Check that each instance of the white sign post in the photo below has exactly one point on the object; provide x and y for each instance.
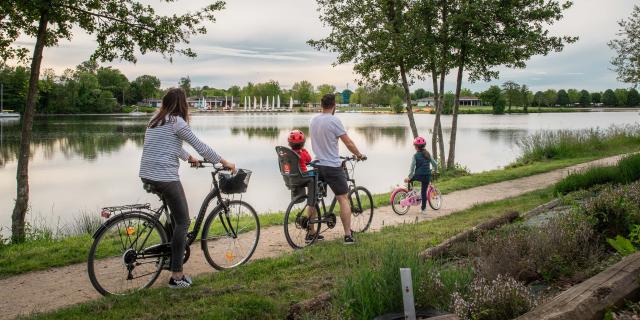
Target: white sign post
(407, 294)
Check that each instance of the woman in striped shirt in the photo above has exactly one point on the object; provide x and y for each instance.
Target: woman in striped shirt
(159, 165)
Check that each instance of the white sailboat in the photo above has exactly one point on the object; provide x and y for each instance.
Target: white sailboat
(5, 114)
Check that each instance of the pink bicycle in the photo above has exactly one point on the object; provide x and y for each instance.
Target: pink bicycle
(403, 198)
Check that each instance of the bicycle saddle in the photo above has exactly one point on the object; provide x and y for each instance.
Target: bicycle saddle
(149, 188)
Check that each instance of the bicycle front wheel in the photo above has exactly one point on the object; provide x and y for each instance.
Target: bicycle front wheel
(301, 225)
(435, 198)
(118, 264)
(361, 209)
(230, 237)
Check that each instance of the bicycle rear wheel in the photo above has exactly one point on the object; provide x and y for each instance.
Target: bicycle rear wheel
(117, 264)
(435, 198)
(361, 209)
(229, 238)
(298, 224)
(396, 197)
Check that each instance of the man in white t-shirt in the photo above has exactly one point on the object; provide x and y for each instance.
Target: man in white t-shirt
(326, 129)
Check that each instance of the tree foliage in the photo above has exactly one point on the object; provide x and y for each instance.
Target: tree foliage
(609, 98)
(303, 92)
(627, 61)
(562, 98)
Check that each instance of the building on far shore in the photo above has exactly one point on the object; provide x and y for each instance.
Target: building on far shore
(466, 101)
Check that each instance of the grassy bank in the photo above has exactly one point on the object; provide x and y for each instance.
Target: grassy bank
(266, 288)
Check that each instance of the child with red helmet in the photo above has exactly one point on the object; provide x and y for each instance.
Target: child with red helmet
(420, 170)
(296, 143)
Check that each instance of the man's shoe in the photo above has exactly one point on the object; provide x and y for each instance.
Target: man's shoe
(349, 240)
(310, 237)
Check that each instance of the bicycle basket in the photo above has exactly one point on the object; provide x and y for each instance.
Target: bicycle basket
(234, 183)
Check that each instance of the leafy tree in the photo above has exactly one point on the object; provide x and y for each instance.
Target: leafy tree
(145, 87)
(491, 95)
(234, 91)
(377, 40)
(550, 97)
(526, 97)
(633, 99)
(421, 93)
(574, 96)
(596, 97)
(303, 92)
(585, 98)
(609, 98)
(621, 97)
(487, 34)
(114, 81)
(185, 84)
(15, 81)
(511, 92)
(396, 104)
(539, 99)
(627, 47)
(324, 89)
(121, 27)
(563, 98)
(270, 88)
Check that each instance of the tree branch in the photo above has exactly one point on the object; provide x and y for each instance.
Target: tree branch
(101, 15)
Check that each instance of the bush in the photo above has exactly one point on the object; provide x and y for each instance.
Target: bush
(626, 171)
(614, 210)
(532, 253)
(499, 106)
(396, 104)
(584, 180)
(498, 299)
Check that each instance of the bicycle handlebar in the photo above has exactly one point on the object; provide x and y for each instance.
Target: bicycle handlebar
(354, 158)
(204, 163)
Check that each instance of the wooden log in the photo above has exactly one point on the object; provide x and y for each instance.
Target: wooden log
(309, 305)
(463, 236)
(589, 299)
(542, 208)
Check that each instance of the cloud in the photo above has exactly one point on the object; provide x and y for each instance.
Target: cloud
(258, 40)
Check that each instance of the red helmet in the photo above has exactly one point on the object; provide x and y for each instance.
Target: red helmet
(296, 136)
(419, 141)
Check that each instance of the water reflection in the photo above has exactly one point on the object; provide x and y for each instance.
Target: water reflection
(86, 138)
(509, 136)
(373, 134)
(271, 133)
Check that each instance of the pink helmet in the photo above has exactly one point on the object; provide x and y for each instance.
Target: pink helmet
(419, 141)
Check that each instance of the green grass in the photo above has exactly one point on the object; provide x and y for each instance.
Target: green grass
(266, 288)
(489, 110)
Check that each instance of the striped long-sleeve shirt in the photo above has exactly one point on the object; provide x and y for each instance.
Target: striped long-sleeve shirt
(163, 148)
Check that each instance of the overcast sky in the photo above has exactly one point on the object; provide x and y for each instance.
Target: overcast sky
(259, 40)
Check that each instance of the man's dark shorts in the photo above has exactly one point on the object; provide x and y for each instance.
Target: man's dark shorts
(336, 178)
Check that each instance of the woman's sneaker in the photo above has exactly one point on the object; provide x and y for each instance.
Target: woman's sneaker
(349, 240)
(424, 211)
(185, 282)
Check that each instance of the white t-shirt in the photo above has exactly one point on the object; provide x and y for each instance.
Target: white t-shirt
(325, 131)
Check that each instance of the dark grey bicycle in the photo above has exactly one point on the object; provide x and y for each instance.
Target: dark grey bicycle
(133, 246)
(301, 229)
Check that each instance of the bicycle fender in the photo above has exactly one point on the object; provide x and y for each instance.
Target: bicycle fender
(104, 225)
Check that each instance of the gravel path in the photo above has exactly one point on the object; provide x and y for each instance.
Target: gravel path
(55, 288)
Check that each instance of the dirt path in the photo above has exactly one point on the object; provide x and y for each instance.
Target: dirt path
(59, 287)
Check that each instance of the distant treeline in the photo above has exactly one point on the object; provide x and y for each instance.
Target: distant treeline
(90, 88)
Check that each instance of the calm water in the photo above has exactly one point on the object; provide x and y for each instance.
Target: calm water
(84, 163)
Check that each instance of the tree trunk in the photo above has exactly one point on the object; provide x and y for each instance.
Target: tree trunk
(407, 98)
(436, 121)
(443, 164)
(22, 176)
(454, 121)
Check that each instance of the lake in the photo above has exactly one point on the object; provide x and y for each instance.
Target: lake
(82, 163)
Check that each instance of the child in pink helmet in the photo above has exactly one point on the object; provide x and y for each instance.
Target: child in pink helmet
(420, 170)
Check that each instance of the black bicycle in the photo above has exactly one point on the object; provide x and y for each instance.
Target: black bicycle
(302, 228)
(133, 246)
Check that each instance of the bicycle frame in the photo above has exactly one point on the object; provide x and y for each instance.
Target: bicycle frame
(323, 209)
